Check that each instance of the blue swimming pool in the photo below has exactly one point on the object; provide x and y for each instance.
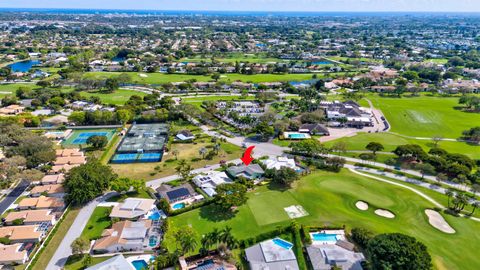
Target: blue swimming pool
(297, 136)
(324, 237)
(178, 206)
(155, 216)
(282, 243)
(152, 242)
(140, 264)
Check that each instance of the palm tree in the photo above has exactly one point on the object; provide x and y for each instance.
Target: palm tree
(217, 148)
(202, 152)
(175, 153)
(475, 204)
(449, 192)
(226, 237)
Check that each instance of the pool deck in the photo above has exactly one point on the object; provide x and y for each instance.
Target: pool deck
(340, 235)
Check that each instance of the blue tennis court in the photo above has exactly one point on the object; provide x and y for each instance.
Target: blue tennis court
(131, 158)
(79, 137)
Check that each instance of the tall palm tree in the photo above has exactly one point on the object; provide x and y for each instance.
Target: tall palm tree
(202, 152)
(175, 153)
(449, 193)
(475, 204)
(216, 147)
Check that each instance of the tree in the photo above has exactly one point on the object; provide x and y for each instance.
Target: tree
(202, 151)
(398, 251)
(87, 181)
(425, 168)
(77, 118)
(264, 130)
(449, 192)
(472, 134)
(309, 147)
(79, 246)
(411, 151)
(361, 236)
(184, 170)
(186, 239)
(216, 76)
(230, 195)
(374, 147)
(124, 116)
(111, 84)
(43, 84)
(126, 184)
(97, 141)
(475, 205)
(284, 176)
(175, 153)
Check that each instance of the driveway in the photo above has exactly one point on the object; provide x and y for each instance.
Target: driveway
(63, 250)
(13, 196)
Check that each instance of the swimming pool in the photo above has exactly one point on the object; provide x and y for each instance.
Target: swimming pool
(324, 237)
(297, 136)
(140, 264)
(154, 216)
(282, 243)
(178, 206)
(152, 242)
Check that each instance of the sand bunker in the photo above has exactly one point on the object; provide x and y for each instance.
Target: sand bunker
(384, 213)
(438, 222)
(362, 205)
(143, 75)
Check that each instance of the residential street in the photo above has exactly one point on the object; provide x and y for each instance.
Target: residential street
(13, 195)
(63, 250)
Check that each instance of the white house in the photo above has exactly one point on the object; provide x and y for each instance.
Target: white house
(209, 181)
(279, 162)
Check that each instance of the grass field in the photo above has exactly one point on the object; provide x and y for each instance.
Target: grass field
(9, 89)
(391, 141)
(430, 116)
(160, 78)
(77, 263)
(119, 97)
(330, 200)
(99, 220)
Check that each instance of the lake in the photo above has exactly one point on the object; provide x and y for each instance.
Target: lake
(23, 66)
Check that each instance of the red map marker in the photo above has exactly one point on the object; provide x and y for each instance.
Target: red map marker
(247, 156)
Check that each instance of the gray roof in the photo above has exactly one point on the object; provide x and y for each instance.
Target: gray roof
(323, 257)
(242, 169)
(284, 259)
(115, 263)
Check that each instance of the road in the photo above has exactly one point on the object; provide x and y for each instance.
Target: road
(13, 195)
(63, 250)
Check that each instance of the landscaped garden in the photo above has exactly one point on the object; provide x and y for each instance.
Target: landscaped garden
(329, 199)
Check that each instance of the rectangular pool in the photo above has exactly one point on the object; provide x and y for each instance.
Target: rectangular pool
(324, 237)
(282, 243)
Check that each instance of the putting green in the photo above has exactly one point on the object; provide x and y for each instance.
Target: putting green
(267, 213)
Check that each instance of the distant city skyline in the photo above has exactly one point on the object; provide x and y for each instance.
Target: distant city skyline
(257, 5)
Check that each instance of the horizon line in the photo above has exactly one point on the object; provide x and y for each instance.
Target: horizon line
(242, 11)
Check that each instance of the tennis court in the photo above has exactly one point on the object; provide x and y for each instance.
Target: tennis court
(80, 137)
(140, 157)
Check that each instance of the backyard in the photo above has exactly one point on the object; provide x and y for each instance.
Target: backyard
(330, 199)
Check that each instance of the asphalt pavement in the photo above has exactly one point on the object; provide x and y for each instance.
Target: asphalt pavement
(13, 195)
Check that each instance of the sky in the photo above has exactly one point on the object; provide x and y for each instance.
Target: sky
(256, 5)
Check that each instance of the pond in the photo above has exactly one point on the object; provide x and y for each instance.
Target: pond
(23, 66)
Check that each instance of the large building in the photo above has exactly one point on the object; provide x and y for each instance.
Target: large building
(142, 143)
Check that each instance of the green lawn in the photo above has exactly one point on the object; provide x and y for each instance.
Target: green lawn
(77, 263)
(329, 199)
(159, 78)
(120, 198)
(119, 97)
(391, 141)
(425, 116)
(99, 220)
(9, 89)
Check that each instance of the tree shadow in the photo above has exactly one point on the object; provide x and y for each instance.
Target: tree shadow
(277, 187)
(216, 213)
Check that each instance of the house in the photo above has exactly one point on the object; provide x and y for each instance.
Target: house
(252, 171)
(114, 263)
(185, 135)
(13, 109)
(41, 202)
(210, 180)
(51, 179)
(279, 162)
(69, 152)
(314, 129)
(124, 236)
(13, 254)
(55, 190)
(62, 168)
(32, 217)
(349, 112)
(340, 254)
(132, 208)
(271, 254)
(56, 120)
(22, 234)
